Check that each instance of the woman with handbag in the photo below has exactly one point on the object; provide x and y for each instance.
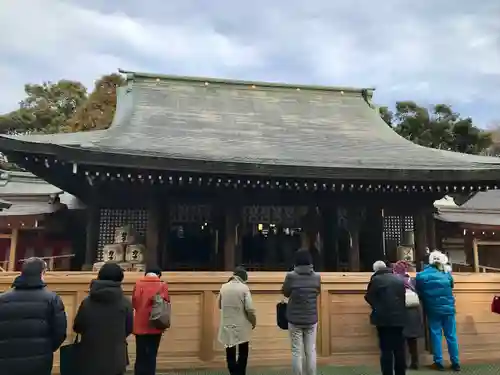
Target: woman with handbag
(147, 336)
(414, 328)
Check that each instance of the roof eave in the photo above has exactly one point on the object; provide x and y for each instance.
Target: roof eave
(102, 158)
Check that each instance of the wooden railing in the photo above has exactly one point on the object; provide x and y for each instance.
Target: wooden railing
(345, 335)
(485, 269)
(50, 261)
(462, 267)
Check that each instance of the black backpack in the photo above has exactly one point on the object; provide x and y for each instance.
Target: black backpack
(281, 319)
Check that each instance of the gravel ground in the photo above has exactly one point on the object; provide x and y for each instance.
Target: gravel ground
(478, 369)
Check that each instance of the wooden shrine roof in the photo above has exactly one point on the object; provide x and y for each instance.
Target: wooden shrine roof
(483, 208)
(28, 195)
(253, 128)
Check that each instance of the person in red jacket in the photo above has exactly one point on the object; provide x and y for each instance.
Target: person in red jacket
(147, 339)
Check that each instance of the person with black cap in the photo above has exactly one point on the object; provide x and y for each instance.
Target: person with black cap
(147, 337)
(32, 323)
(104, 321)
(237, 320)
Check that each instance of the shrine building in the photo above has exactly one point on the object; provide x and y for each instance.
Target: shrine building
(214, 173)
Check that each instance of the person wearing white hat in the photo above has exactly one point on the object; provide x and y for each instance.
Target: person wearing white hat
(435, 289)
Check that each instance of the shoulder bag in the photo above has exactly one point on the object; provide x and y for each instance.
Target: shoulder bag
(411, 298)
(160, 313)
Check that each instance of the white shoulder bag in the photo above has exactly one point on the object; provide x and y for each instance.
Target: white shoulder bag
(411, 298)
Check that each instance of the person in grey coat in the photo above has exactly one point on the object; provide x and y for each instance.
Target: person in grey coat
(302, 287)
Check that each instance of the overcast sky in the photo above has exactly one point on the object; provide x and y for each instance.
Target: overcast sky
(428, 50)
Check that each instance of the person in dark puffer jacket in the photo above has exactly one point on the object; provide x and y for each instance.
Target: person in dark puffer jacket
(302, 287)
(32, 323)
(104, 321)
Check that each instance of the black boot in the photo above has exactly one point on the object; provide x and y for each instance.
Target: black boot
(413, 349)
(437, 366)
(455, 367)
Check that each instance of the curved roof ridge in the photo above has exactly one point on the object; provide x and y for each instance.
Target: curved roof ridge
(238, 82)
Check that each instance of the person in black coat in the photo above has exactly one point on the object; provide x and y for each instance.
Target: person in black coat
(32, 323)
(386, 296)
(104, 321)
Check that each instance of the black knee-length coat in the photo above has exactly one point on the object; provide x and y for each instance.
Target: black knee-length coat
(414, 327)
(104, 320)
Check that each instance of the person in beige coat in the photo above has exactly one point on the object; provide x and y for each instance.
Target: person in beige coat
(237, 320)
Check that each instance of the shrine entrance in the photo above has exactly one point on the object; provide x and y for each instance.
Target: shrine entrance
(191, 238)
(270, 236)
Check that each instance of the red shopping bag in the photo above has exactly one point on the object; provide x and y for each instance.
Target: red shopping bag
(495, 305)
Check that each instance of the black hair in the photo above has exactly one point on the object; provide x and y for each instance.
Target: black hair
(241, 273)
(33, 267)
(303, 257)
(153, 269)
(110, 271)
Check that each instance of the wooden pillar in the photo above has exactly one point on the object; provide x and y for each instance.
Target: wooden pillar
(208, 332)
(354, 221)
(469, 248)
(475, 254)
(329, 257)
(92, 235)
(431, 231)
(354, 258)
(420, 229)
(230, 238)
(311, 224)
(305, 243)
(372, 238)
(438, 232)
(13, 248)
(164, 233)
(152, 235)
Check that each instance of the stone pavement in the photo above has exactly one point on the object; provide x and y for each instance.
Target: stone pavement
(477, 369)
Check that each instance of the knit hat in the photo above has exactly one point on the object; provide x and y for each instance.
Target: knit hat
(241, 273)
(437, 257)
(401, 267)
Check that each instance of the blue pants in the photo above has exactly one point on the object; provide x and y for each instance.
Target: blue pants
(438, 325)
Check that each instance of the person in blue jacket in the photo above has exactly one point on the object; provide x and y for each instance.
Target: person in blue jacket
(435, 288)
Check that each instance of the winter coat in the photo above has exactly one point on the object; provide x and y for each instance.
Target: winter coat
(142, 301)
(435, 289)
(32, 327)
(237, 315)
(302, 287)
(414, 327)
(386, 296)
(104, 320)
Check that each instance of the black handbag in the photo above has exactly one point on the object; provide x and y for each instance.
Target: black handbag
(281, 319)
(69, 356)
